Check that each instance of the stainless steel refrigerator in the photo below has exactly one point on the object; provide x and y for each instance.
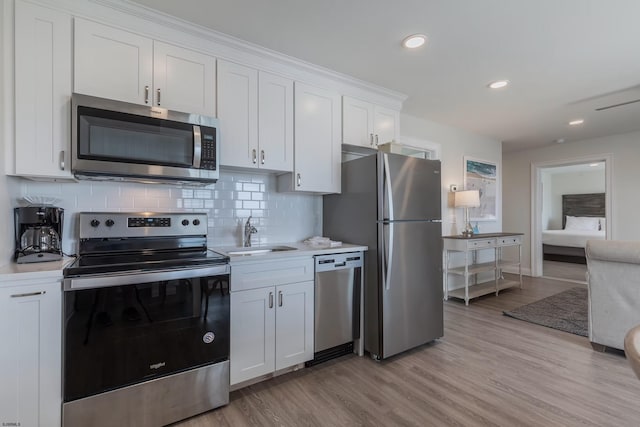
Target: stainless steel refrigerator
(391, 203)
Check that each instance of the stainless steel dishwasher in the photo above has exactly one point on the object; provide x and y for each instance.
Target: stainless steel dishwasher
(338, 284)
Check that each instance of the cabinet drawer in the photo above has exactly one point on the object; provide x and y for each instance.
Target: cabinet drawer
(252, 275)
(481, 243)
(509, 241)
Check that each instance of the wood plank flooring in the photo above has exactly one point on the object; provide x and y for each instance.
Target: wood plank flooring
(488, 370)
(564, 270)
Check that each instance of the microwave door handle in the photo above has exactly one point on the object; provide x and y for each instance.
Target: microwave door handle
(197, 147)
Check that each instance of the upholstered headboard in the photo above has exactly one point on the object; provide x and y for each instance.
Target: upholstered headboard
(582, 205)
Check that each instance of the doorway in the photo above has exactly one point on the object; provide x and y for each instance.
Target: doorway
(571, 204)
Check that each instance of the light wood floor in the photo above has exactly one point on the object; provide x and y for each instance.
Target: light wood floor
(564, 270)
(488, 370)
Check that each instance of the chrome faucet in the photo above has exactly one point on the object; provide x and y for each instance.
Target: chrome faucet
(248, 231)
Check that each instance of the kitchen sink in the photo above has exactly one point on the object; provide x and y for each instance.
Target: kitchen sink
(260, 250)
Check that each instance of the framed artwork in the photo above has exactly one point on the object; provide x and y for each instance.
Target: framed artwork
(482, 175)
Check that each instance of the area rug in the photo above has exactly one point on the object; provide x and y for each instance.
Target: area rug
(566, 311)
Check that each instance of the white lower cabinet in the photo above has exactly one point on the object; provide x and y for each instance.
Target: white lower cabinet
(271, 326)
(30, 360)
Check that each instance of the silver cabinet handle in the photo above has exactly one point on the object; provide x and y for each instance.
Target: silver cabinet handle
(270, 299)
(146, 94)
(376, 139)
(279, 298)
(262, 156)
(254, 156)
(158, 96)
(371, 139)
(30, 294)
(62, 160)
(299, 180)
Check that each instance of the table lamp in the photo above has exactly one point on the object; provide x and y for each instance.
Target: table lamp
(467, 199)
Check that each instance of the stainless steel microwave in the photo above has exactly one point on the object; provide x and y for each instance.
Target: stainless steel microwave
(113, 140)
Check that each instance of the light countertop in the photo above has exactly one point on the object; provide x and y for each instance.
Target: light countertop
(13, 273)
(301, 249)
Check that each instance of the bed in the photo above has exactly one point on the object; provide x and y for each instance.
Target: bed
(583, 218)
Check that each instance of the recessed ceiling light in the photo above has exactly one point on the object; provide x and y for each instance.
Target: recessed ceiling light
(413, 41)
(576, 122)
(593, 165)
(560, 140)
(498, 84)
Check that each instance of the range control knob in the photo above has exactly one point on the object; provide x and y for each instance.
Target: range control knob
(196, 221)
(109, 223)
(94, 223)
(185, 222)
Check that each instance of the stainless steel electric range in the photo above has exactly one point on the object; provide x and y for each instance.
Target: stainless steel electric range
(146, 321)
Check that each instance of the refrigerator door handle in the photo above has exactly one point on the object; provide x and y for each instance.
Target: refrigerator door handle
(389, 259)
(387, 263)
(388, 188)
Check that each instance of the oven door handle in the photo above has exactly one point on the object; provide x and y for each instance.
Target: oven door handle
(104, 281)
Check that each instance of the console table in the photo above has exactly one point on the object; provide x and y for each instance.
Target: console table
(470, 246)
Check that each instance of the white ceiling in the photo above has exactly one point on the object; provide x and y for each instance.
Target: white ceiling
(564, 58)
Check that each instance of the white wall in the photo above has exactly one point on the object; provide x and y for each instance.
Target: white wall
(584, 182)
(625, 175)
(455, 144)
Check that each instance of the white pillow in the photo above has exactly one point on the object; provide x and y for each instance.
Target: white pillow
(582, 223)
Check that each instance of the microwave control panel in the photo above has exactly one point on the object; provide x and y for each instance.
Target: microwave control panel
(208, 156)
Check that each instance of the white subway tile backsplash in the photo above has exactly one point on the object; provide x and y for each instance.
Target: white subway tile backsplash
(279, 217)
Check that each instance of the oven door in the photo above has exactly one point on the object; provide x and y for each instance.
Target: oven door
(125, 329)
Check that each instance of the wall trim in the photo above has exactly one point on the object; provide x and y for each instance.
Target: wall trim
(536, 201)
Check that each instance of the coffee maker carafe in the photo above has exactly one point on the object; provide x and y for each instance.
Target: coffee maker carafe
(38, 233)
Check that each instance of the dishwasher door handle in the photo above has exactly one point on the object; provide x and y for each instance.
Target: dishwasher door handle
(340, 264)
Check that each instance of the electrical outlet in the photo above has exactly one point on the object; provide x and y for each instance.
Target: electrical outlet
(453, 187)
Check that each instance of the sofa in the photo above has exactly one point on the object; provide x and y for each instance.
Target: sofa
(614, 291)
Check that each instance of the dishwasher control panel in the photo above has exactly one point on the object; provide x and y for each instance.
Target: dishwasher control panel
(339, 261)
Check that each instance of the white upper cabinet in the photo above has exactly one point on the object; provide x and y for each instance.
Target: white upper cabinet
(317, 157)
(116, 64)
(42, 91)
(368, 125)
(275, 122)
(386, 125)
(238, 114)
(357, 122)
(112, 63)
(256, 118)
(184, 80)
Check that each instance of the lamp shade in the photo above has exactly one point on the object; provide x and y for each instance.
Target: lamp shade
(467, 199)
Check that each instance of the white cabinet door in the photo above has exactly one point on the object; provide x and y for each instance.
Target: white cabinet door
(238, 114)
(357, 122)
(112, 63)
(42, 91)
(275, 122)
(294, 324)
(317, 128)
(253, 317)
(184, 80)
(386, 125)
(31, 359)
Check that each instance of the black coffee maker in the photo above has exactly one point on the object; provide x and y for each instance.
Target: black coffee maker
(38, 233)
